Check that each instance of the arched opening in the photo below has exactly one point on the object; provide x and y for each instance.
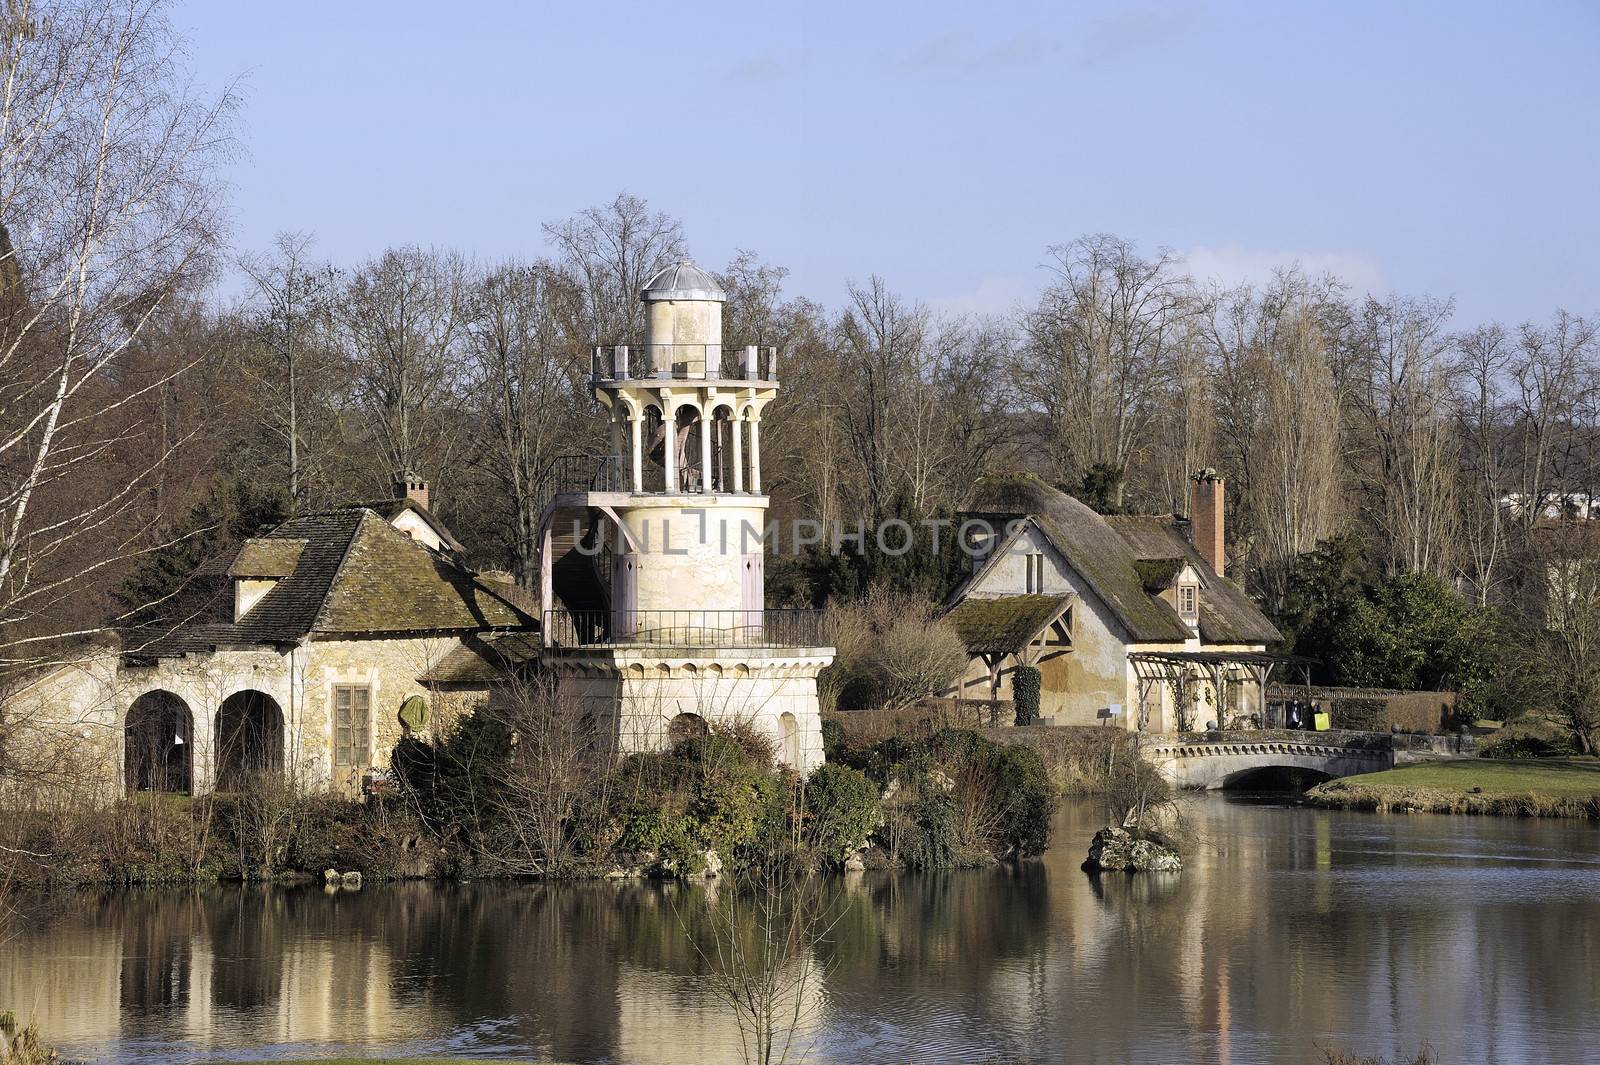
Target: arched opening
(789, 735)
(727, 452)
(249, 739)
(655, 449)
(685, 727)
(158, 744)
(1276, 779)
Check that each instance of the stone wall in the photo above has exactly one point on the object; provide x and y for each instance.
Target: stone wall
(642, 690)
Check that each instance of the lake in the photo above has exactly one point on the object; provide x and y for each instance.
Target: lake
(1289, 928)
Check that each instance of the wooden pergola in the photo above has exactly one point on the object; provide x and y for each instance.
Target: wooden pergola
(1177, 668)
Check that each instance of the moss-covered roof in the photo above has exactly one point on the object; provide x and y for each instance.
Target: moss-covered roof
(1126, 560)
(1004, 625)
(266, 557)
(1227, 614)
(481, 661)
(353, 575)
(1092, 547)
(1158, 574)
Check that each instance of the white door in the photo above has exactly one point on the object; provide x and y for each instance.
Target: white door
(752, 597)
(624, 595)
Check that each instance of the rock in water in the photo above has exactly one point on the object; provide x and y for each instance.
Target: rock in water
(1117, 849)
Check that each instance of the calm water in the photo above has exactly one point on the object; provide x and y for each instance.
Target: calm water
(1291, 928)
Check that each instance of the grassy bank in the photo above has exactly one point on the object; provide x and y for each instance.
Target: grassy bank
(1517, 787)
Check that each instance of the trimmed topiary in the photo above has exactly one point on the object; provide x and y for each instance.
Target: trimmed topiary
(1025, 691)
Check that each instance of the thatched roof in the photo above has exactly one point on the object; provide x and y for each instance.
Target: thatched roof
(1005, 625)
(1127, 560)
(1091, 546)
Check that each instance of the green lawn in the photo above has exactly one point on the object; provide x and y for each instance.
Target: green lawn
(1565, 777)
(1560, 787)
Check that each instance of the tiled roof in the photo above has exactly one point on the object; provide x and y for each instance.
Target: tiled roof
(266, 557)
(1004, 625)
(354, 574)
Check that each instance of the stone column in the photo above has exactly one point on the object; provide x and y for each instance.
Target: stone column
(705, 453)
(669, 422)
(616, 451)
(755, 455)
(737, 426)
(636, 423)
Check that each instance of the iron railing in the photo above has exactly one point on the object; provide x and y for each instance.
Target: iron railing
(694, 362)
(583, 473)
(688, 628)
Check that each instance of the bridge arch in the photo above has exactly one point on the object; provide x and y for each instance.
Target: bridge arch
(1275, 778)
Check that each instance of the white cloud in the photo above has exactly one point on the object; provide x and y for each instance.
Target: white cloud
(992, 295)
(1229, 265)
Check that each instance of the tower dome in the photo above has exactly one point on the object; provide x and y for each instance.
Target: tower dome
(682, 280)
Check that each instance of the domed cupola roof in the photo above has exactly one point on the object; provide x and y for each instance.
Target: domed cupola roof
(683, 280)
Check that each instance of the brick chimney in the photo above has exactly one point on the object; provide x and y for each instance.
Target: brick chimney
(1206, 517)
(412, 487)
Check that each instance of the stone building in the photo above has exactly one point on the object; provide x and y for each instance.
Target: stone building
(1128, 618)
(651, 555)
(322, 642)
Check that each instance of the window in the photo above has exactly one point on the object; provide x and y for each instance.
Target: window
(1189, 601)
(352, 705)
(1035, 573)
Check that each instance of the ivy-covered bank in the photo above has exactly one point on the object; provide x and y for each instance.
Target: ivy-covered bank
(497, 797)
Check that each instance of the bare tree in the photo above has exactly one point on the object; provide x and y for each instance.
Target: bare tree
(1553, 373)
(610, 251)
(291, 323)
(1401, 398)
(1295, 491)
(1482, 356)
(1099, 349)
(880, 349)
(402, 325)
(108, 182)
(529, 394)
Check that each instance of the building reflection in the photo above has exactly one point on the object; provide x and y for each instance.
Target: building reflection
(1287, 927)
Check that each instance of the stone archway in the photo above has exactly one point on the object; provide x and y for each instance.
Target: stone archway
(158, 744)
(686, 727)
(249, 738)
(789, 736)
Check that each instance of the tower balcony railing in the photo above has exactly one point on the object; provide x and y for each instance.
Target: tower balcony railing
(711, 629)
(583, 473)
(683, 362)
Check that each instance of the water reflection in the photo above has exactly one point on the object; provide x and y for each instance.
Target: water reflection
(1289, 927)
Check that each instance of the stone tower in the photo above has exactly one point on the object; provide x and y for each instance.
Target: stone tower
(652, 555)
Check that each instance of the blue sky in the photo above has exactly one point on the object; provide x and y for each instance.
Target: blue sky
(1449, 148)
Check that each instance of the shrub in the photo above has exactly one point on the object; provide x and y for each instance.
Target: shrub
(1025, 691)
(1526, 741)
(841, 807)
(891, 650)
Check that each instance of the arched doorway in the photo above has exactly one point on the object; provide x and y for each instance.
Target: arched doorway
(685, 727)
(789, 732)
(158, 744)
(249, 738)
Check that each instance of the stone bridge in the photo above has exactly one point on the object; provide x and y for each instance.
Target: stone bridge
(1211, 760)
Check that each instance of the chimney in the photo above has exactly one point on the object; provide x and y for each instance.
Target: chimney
(1205, 517)
(412, 487)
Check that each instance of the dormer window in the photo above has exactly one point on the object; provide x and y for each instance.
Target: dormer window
(1189, 603)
